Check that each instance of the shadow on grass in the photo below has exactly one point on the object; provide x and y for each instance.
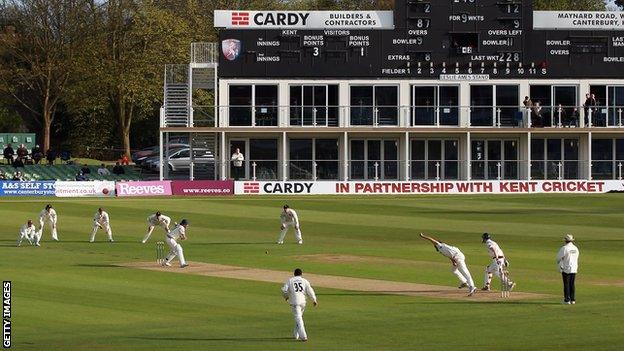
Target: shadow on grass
(282, 339)
(231, 243)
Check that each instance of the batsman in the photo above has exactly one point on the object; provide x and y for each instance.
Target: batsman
(498, 266)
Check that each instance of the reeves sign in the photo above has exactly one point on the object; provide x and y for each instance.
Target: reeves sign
(304, 19)
(154, 188)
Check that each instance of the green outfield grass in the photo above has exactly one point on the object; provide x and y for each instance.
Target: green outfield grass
(71, 296)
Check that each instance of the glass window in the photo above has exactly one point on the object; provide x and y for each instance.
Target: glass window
(266, 105)
(507, 99)
(424, 101)
(361, 105)
(553, 149)
(537, 149)
(387, 102)
(300, 165)
(263, 152)
(482, 105)
(240, 105)
(619, 149)
(449, 105)
(602, 149)
(326, 158)
(301, 149)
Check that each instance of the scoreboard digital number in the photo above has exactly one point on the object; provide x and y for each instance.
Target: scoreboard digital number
(431, 39)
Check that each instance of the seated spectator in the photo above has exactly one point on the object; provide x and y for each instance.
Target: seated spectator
(18, 163)
(103, 171)
(80, 177)
(124, 160)
(85, 169)
(118, 169)
(22, 152)
(8, 154)
(51, 156)
(18, 176)
(2, 176)
(36, 154)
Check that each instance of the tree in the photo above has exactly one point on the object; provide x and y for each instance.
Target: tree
(123, 69)
(569, 5)
(38, 42)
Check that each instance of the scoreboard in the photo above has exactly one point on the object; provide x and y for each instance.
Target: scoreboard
(431, 39)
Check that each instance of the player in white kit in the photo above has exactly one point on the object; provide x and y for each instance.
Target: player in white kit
(498, 264)
(101, 220)
(295, 291)
(48, 215)
(458, 260)
(28, 231)
(289, 218)
(156, 220)
(178, 233)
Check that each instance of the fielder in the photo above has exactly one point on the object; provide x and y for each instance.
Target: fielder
(498, 264)
(178, 233)
(101, 221)
(157, 219)
(48, 215)
(289, 218)
(458, 260)
(295, 291)
(29, 232)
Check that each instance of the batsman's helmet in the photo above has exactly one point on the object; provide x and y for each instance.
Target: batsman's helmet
(30, 222)
(485, 237)
(183, 222)
(48, 206)
(286, 206)
(158, 213)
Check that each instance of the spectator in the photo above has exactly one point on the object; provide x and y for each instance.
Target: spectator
(588, 107)
(18, 176)
(51, 156)
(237, 164)
(527, 102)
(8, 154)
(85, 170)
(18, 162)
(124, 160)
(536, 115)
(80, 177)
(103, 171)
(118, 169)
(22, 152)
(36, 154)
(2, 176)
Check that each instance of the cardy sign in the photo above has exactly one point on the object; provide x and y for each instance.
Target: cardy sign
(282, 188)
(304, 19)
(155, 188)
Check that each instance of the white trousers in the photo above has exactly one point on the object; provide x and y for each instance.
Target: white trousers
(287, 225)
(150, 229)
(495, 268)
(52, 224)
(462, 273)
(299, 331)
(106, 228)
(176, 250)
(33, 239)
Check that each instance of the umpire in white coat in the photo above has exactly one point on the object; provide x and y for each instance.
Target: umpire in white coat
(567, 259)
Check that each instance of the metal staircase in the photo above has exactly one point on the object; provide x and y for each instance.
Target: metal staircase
(176, 101)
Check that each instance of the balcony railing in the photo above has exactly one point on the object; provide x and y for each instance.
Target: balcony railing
(408, 116)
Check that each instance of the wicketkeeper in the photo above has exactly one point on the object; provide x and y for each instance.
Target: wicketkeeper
(29, 232)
